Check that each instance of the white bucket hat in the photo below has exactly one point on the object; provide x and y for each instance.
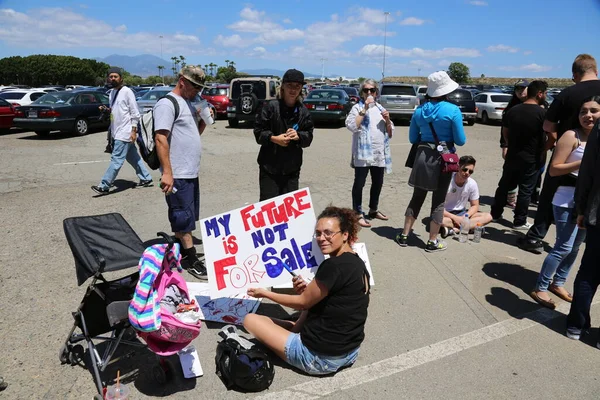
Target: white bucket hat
(439, 84)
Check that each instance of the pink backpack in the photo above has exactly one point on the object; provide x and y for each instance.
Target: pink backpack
(173, 334)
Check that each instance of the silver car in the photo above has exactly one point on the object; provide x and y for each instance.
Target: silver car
(400, 99)
(490, 105)
(148, 100)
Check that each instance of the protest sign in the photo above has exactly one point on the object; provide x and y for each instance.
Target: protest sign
(248, 247)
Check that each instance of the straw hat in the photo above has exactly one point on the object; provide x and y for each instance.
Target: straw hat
(439, 84)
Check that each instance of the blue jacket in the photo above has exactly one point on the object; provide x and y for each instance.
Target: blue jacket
(447, 121)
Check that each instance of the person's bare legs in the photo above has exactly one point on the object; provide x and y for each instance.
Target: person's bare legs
(434, 229)
(186, 239)
(408, 224)
(273, 332)
(479, 218)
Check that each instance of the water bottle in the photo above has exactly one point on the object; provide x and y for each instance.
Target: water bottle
(371, 105)
(463, 236)
(477, 232)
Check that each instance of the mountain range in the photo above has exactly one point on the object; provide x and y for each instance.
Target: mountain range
(146, 64)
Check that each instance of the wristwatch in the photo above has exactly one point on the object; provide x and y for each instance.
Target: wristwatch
(362, 112)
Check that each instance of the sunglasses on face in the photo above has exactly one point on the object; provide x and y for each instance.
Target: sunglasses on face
(367, 90)
(194, 85)
(470, 171)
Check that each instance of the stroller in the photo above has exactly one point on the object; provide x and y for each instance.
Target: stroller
(102, 244)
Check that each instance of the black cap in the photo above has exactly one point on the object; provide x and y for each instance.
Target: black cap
(115, 70)
(293, 75)
(522, 83)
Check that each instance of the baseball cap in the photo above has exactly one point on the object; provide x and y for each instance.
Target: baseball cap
(115, 70)
(522, 83)
(194, 74)
(293, 75)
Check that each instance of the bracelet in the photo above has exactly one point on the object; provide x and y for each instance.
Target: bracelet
(362, 112)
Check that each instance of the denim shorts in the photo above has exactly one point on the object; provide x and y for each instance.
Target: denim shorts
(314, 363)
(184, 205)
(460, 213)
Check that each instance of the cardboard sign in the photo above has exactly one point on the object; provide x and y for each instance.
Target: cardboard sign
(248, 247)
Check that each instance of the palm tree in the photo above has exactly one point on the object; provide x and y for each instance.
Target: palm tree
(227, 62)
(174, 68)
(182, 59)
(212, 68)
(160, 68)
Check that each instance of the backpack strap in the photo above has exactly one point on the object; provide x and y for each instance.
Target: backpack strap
(175, 105)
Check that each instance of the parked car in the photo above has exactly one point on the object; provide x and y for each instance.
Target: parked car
(400, 99)
(68, 111)
(140, 93)
(421, 92)
(352, 92)
(218, 96)
(7, 113)
(247, 96)
(147, 101)
(20, 97)
(490, 105)
(328, 105)
(464, 100)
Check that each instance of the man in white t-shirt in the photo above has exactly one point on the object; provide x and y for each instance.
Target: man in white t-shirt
(179, 148)
(463, 199)
(124, 118)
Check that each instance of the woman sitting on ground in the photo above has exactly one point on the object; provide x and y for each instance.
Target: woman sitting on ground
(330, 329)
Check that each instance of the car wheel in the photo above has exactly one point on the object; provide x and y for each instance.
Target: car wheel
(42, 133)
(233, 123)
(471, 122)
(484, 118)
(81, 127)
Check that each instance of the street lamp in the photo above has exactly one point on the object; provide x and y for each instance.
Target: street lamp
(323, 68)
(161, 56)
(386, 13)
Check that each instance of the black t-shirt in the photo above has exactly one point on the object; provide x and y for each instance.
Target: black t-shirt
(565, 107)
(526, 137)
(335, 325)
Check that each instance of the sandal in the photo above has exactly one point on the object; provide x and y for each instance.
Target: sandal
(363, 222)
(546, 303)
(378, 215)
(556, 290)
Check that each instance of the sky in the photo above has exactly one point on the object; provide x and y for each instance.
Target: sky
(498, 38)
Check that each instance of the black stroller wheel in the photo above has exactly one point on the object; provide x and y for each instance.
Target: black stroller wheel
(63, 354)
(98, 397)
(159, 374)
(76, 354)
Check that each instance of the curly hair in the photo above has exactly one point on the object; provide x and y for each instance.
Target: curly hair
(347, 218)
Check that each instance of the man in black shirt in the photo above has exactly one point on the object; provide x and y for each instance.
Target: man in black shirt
(526, 141)
(560, 118)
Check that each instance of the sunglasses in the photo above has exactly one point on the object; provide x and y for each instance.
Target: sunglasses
(194, 85)
(470, 171)
(367, 90)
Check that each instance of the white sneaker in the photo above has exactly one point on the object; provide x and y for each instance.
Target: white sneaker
(524, 227)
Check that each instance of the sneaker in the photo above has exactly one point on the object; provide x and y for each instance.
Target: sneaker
(198, 270)
(402, 240)
(100, 190)
(531, 245)
(438, 245)
(143, 183)
(573, 334)
(524, 227)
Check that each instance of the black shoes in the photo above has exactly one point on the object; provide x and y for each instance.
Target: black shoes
(531, 245)
(198, 270)
(99, 190)
(143, 183)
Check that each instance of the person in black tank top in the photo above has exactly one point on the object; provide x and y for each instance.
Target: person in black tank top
(330, 329)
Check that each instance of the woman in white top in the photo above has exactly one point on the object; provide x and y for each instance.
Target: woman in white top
(372, 129)
(565, 164)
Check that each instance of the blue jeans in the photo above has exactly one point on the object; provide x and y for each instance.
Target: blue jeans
(124, 151)
(313, 363)
(586, 283)
(559, 261)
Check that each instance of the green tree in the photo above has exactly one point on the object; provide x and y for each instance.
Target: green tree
(361, 79)
(459, 72)
(153, 80)
(174, 67)
(182, 60)
(482, 76)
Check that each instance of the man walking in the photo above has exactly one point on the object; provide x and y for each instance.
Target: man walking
(525, 140)
(559, 119)
(124, 118)
(178, 129)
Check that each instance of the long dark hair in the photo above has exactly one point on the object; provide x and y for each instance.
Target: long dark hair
(575, 118)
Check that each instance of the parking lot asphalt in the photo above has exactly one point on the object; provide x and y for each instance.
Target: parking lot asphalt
(453, 325)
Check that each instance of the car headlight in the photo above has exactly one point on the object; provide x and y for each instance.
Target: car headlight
(231, 109)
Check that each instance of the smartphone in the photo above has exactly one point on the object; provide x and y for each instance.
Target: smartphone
(290, 270)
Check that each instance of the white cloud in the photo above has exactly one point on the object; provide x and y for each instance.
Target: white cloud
(412, 21)
(478, 3)
(420, 63)
(376, 50)
(502, 48)
(373, 16)
(59, 28)
(268, 32)
(231, 41)
(287, 21)
(252, 15)
(527, 52)
(527, 67)
(443, 63)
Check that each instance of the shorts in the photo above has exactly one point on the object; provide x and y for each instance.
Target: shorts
(184, 205)
(314, 363)
(460, 213)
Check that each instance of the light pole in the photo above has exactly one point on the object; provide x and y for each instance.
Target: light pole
(161, 56)
(386, 13)
(323, 68)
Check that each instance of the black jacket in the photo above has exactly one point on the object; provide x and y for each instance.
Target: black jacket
(276, 159)
(587, 191)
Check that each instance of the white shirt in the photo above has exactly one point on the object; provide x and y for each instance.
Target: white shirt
(124, 113)
(377, 131)
(459, 197)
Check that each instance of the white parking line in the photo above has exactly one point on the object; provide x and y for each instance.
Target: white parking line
(401, 144)
(352, 377)
(82, 162)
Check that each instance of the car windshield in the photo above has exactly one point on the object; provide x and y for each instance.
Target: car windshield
(259, 89)
(215, 91)
(351, 91)
(325, 94)
(423, 90)
(12, 95)
(55, 98)
(500, 98)
(155, 94)
(387, 90)
(460, 94)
